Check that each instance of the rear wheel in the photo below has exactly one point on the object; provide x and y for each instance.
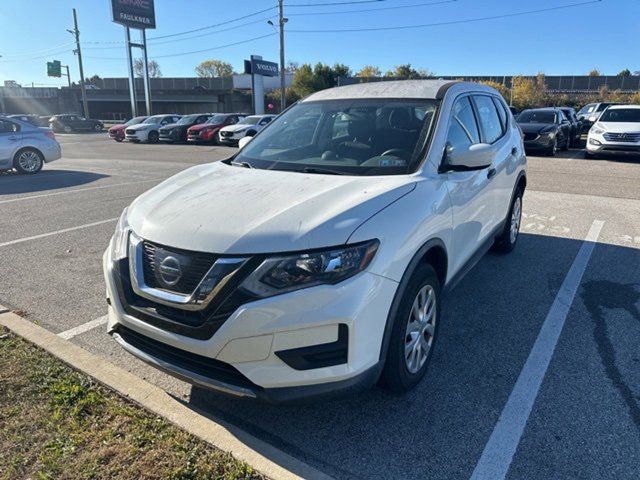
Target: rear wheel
(97, 127)
(506, 242)
(28, 161)
(414, 331)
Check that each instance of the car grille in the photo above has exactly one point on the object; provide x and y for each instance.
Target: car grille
(530, 136)
(226, 134)
(194, 267)
(622, 137)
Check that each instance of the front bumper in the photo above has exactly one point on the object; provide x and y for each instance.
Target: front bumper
(172, 136)
(116, 135)
(618, 148)
(200, 137)
(247, 354)
(137, 136)
(233, 139)
(541, 142)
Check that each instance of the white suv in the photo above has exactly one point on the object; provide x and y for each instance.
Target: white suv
(314, 260)
(617, 131)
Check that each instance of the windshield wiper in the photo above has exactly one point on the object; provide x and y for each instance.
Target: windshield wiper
(241, 164)
(321, 170)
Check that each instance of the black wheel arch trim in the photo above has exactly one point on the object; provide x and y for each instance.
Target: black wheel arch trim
(402, 286)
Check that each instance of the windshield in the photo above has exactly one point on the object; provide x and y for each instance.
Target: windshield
(135, 121)
(353, 137)
(536, 116)
(155, 119)
(188, 119)
(587, 109)
(216, 119)
(249, 120)
(621, 115)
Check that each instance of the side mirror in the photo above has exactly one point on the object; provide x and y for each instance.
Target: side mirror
(243, 141)
(479, 155)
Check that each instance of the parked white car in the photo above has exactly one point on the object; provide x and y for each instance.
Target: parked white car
(617, 131)
(313, 261)
(26, 147)
(248, 126)
(149, 130)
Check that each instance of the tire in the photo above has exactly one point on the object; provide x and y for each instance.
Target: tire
(28, 161)
(589, 156)
(508, 238)
(153, 137)
(118, 139)
(67, 129)
(97, 127)
(566, 145)
(403, 371)
(553, 149)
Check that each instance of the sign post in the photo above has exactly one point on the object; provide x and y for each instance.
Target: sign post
(139, 14)
(259, 68)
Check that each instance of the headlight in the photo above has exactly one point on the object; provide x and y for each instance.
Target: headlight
(597, 131)
(593, 119)
(282, 274)
(120, 242)
(550, 134)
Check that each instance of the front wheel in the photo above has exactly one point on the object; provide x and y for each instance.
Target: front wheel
(28, 161)
(506, 242)
(553, 149)
(97, 127)
(153, 137)
(118, 139)
(68, 129)
(414, 331)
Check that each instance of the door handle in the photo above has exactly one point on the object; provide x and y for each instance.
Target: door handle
(491, 173)
(514, 151)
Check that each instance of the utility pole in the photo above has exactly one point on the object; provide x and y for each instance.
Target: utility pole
(76, 33)
(282, 21)
(147, 83)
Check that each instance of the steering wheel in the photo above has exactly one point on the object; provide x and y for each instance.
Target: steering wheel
(396, 152)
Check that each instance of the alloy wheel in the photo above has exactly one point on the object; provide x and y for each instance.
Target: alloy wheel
(420, 329)
(516, 214)
(30, 161)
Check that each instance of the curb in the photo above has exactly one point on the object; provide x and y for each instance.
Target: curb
(266, 459)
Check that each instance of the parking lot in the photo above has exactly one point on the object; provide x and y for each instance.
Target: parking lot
(585, 422)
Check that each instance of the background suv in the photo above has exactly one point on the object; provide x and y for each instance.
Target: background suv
(248, 126)
(74, 123)
(149, 130)
(208, 131)
(545, 129)
(616, 131)
(26, 147)
(324, 271)
(590, 113)
(177, 132)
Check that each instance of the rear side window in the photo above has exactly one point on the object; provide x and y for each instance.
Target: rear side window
(8, 127)
(463, 130)
(488, 117)
(502, 113)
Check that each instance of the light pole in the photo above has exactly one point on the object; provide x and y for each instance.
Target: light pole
(281, 21)
(76, 33)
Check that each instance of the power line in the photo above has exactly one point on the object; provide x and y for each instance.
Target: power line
(214, 25)
(195, 51)
(35, 52)
(451, 22)
(397, 7)
(48, 55)
(331, 4)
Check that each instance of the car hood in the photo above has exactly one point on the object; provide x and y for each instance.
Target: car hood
(535, 127)
(118, 127)
(238, 128)
(142, 126)
(619, 127)
(233, 210)
(202, 126)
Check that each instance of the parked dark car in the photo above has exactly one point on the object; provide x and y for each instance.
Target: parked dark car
(177, 132)
(544, 129)
(74, 123)
(590, 113)
(32, 119)
(576, 125)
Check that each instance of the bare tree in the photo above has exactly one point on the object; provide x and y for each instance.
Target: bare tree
(154, 68)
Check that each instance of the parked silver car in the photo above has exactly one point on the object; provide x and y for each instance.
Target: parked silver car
(26, 147)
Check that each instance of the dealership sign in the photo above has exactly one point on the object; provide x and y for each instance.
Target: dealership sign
(262, 67)
(134, 13)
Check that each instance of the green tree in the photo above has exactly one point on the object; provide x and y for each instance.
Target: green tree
(594, 73)
(625, 73)
(214, 68)
(403, 71)
(341, 70)
(369, 71)
(154, 68)
(302, 84)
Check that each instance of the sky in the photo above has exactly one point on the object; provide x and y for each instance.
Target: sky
(561, 41)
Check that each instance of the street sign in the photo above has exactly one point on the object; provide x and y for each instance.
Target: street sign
(54, 69)
(262, 67)
(134, 13)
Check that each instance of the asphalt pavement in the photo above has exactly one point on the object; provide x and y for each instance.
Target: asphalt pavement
(580, 217)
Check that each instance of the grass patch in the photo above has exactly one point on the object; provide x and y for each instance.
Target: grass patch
(56, 423)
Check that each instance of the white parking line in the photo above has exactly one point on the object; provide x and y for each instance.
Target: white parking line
(85, 327)
(64, 192)
(64, 230)
(503, 442)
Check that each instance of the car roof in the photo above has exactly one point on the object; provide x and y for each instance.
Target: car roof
(618, 106)
(543, 109)
(427, 89)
